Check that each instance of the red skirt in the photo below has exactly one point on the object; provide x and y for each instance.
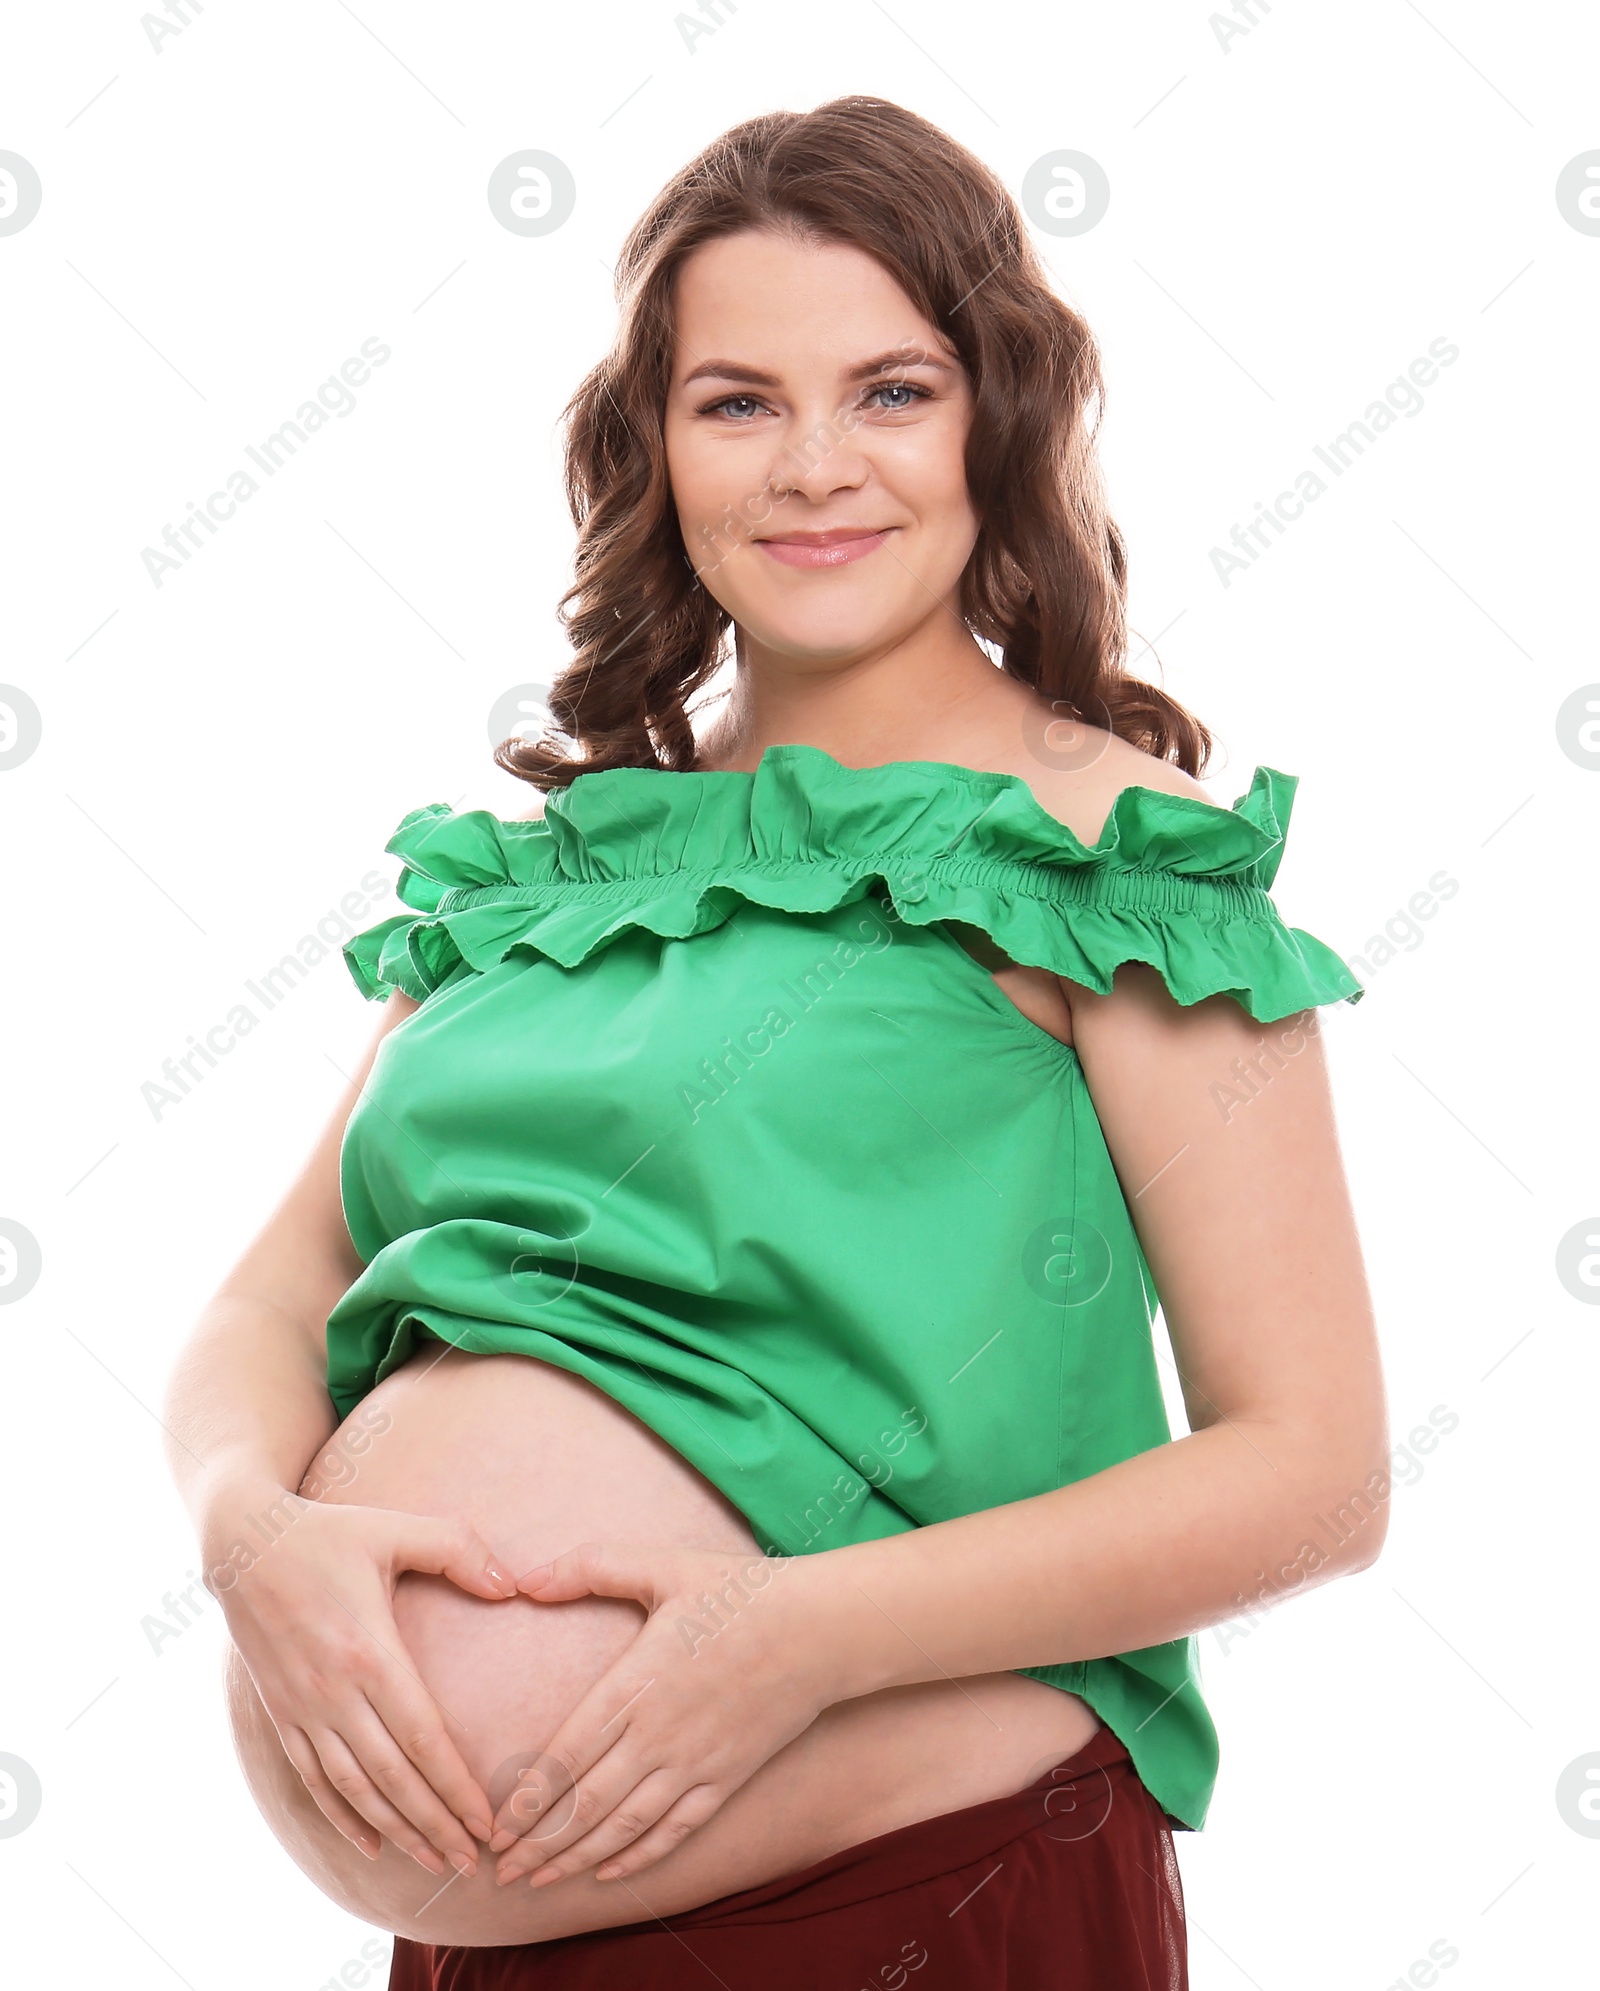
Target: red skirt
(1072, 1882)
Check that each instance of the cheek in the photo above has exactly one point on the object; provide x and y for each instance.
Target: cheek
(935, 486)
(719, 499)
(926, 467)
(712, 482)
(946, 471)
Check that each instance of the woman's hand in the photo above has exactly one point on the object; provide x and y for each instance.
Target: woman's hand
(715, 1684)
(312, 1615)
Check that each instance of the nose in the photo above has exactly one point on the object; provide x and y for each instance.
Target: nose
(819, 456)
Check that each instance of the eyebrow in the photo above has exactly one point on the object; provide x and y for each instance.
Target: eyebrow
(733, 369)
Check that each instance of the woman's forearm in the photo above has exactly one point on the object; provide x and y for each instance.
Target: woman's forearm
(247, 1408)
(248, 1404)
(1162, 1545)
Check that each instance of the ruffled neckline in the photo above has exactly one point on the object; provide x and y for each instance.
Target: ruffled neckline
(635, 821)
(677, 853)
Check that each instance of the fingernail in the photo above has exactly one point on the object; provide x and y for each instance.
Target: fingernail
(498, 1576)
(427, 1857)
(542, 1875)
(606, 1873)
(371, 1847)
(480, 1826)
(501, 1840)
(539, 1574)
(463, 1864)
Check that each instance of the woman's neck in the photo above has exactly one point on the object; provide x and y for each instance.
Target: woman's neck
(926, 699)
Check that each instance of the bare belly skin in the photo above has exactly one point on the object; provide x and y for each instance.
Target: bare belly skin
(538, 1461)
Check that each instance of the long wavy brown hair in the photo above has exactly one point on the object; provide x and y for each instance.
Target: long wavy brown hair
(1046, 584)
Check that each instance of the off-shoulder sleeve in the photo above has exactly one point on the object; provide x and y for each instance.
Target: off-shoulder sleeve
(1173, 881)
(1185, 887)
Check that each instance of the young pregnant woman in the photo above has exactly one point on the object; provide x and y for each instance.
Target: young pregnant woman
(755, 1551)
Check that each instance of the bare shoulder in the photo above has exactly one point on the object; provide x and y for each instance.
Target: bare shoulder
(529, 807)
(1083, 794)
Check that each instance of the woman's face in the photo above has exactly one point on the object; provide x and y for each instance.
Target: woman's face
(815, 430)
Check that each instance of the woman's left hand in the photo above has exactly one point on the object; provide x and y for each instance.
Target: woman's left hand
(715, 1684)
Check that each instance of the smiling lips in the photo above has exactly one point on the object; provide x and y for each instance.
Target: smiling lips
(825, 549)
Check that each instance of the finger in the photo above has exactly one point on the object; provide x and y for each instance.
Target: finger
(597, 1569)
(540, 1801)
(552, 1798)
(570, 1575)
(643, 1807)
(452, 1549)
(668, 1833)
(338, 1784)
(353, 1780)
(411, 1716)
(595, 1797)
(584, 1740)
(387, 1768)
(343, 1817)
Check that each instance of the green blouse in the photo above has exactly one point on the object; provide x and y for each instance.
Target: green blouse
(712, 1101)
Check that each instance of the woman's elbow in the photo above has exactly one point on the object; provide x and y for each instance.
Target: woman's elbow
(1356, 1487)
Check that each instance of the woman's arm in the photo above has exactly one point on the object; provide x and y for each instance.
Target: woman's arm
(247, 1404)
(1222, 1133)
(307, 1588)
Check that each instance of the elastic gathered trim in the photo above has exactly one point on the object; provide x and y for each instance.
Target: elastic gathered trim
(907, 879)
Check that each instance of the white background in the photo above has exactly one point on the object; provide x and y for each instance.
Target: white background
(1293, 220)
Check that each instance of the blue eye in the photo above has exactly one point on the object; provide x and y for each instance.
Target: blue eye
(905, 387)
(742, 408)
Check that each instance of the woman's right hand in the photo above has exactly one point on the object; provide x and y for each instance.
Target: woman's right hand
(312, 1616)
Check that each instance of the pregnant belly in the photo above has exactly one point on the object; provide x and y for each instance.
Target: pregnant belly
(538, 1460)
